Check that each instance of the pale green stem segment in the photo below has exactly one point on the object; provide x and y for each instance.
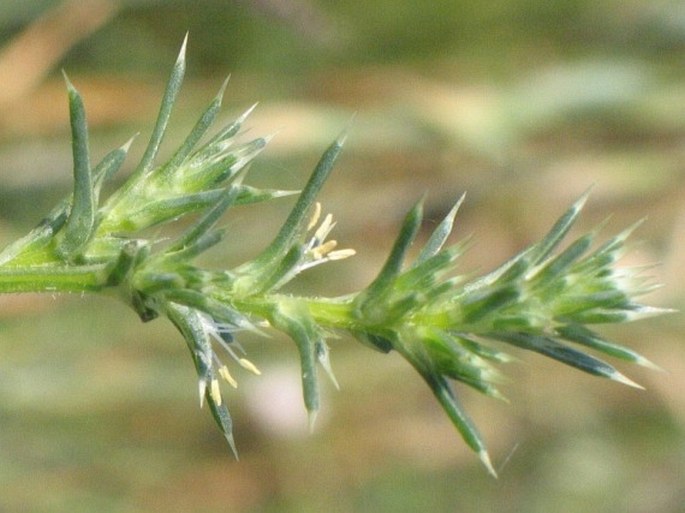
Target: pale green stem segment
(82, 278)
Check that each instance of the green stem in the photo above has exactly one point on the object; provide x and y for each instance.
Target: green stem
(328, 313)
(82, 278)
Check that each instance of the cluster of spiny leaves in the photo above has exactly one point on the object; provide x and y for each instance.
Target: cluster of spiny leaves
(448, 327)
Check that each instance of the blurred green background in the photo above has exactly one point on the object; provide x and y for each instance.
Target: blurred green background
(524, 104)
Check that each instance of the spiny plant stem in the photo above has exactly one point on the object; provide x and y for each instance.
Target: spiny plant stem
(449, 328)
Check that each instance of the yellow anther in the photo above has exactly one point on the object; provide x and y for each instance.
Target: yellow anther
(315, 216)
(326, 226)
(247, 364)
(202, 388)
(215, 392)
(325, 248)
(341, 254)
(223, 372)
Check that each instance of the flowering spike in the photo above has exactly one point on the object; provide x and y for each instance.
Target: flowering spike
(540, 300)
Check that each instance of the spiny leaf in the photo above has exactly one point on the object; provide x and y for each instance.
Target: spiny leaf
(293, 319)
(543, 248)
(81, 221)
(198, 131)
(323, 355)
(219, 141)
(562, 353)
(217, 168)
(455, 361)
(455, 411)
(560, 263)
(298, 215)
(480, 349)
(224, 421)
(431, 268)
(582, 335)
(108, 166)
(168, 100)
(207, 221)
(478, 305)
(40, 236)
(393, 264)
(440, 234)
(282, 272)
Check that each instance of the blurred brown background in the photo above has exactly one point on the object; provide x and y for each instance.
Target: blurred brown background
(524, 104)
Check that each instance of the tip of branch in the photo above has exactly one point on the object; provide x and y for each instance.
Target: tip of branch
(580, 202)
(342, 137)
(649, 364)
(222, 89)
(127, 145)
(620, 378)
(485, 459)
(182, 52)
(70, 85)
(311, 417)
(231, 443)
(245, 114)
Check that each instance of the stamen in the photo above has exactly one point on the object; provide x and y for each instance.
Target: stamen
(341, 254)
(315, 216)
(202, 385)
(215, 392)
(325, 248)
(223, 372)
(247, 364)
(322, 231)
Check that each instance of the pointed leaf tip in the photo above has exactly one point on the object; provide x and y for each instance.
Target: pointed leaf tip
(440, 234)
(222, 89)
(620, 378)
(311, 419)
(342, 137)
(580, 202)
(644, 362)
(485, 459)
(182, 52)
(69, 84)
(247, 113)
(231, 444)
(127, 145)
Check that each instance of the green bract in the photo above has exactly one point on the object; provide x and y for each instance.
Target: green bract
(448, 327)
